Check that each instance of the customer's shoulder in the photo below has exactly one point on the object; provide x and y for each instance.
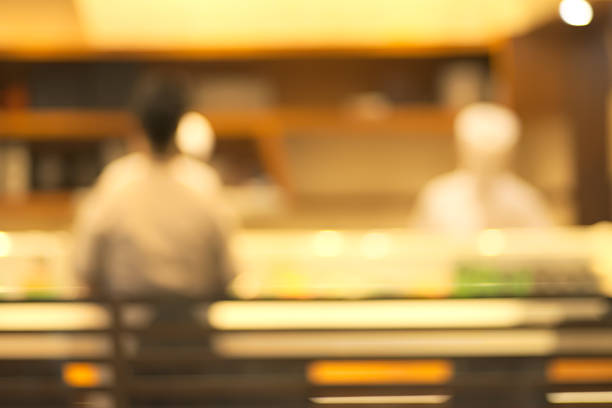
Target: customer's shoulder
(128, 163)
(122, 172)
(196, 175)
(188, 164)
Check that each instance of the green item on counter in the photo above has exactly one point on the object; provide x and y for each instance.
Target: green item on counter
(38, 282)
(40, 294)
(485, 280)
(465, 282)
(521, 282)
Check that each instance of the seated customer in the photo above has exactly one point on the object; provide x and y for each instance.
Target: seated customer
(153, 224)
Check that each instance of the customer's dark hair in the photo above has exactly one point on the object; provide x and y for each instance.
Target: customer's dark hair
(159, 101)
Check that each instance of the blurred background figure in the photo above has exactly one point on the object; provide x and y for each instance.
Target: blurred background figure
(152, 224)
(483, 192)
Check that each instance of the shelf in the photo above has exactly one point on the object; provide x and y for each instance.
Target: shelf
(48, 210)
(63, 124)
(266, 126)
(79, 53)
(77, 124)
(409, 120)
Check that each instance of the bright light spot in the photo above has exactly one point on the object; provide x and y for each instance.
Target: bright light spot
(354, 372)
(60, 316)
(6, 245)
(375, 245)
(576, 12)
(491, 242)
(328, 243)
(81, 375)
(280, 315)
(195, 135)
(570, 370)
(580, 397)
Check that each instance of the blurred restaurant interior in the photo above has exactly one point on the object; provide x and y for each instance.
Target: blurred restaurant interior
(352, 139)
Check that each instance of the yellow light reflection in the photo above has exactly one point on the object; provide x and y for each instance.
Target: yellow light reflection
(6, 244)
(375, 245)
(284, 315)
(59, 316)
(491, 243)
(328, 243)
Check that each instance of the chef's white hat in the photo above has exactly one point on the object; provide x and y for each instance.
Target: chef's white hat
(487, 127)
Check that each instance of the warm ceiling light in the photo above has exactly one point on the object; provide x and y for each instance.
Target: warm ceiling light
(195, 136)
(413, 314)
(576, 12)
(297, 24)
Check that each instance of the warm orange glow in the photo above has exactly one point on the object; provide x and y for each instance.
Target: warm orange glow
(379, 372)
(269, 24)
(567, 370)
(88, 27)
(81, 375)
(375, 400)
(39, 24)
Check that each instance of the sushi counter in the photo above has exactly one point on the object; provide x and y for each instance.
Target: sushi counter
(323, 318)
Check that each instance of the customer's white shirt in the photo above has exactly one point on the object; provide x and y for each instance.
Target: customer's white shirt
(154, 225)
